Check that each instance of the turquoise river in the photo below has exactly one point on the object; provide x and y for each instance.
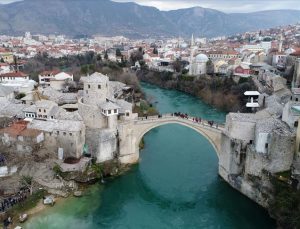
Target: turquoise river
(175, 185)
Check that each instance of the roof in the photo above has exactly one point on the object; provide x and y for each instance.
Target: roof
(201, 58)
(45, 104)
(109, 106)
(247, 93)
(30, 109)
(57, 125)
(51, 72)
(19, 128)
(243, 117)
(297, 53)
(124, 106)
(95, 78)
(4, 91)
(14, 74)
(268, 125)
(9, 109)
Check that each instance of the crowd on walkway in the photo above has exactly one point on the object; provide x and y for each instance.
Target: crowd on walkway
(9, 202)
(186, 116)
(195, 119)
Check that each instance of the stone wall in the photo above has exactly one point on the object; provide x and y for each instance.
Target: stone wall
(102, 144)
(92, 116)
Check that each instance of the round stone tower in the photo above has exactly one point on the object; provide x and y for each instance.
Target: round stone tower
(95, 89)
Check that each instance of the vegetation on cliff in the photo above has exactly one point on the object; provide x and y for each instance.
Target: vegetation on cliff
(80, 65)
(285, 206)
(221, 92)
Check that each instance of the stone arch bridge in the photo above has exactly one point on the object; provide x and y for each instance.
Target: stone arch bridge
(132, 133)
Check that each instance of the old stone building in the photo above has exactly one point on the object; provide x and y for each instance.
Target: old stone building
(102, 114)
(20, 138)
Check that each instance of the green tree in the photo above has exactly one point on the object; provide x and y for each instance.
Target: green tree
(118, 52)
(20, 96)
(210, 67)
(177, 65)
(99, 58)
(106, 55)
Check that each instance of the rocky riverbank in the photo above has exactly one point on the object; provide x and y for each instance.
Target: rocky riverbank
(221, 92)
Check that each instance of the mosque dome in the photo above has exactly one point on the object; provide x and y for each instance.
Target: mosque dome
(201, 58)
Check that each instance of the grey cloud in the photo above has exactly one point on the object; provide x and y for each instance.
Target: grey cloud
(238, 6)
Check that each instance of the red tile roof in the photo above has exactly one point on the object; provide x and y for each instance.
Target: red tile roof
(14, 74)
(51, 72)
(19, 128)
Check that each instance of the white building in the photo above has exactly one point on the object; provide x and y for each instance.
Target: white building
(55, 79)
(12, 76)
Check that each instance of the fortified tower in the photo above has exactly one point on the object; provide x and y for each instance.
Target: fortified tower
(95, 89)
(95, 93)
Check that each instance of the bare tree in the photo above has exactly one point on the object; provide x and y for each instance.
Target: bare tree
(27, 181)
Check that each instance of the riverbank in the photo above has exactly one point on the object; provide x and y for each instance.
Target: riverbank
(221, 92)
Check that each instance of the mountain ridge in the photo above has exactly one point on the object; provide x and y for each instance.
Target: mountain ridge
(80, 17)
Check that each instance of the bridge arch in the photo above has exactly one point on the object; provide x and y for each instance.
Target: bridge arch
(212, 134)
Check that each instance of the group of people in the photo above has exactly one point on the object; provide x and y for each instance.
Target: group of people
(181, 115)
(195, 119)
(2, 160)
(11, 201)
(186, 116)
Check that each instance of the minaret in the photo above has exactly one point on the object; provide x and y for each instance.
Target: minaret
(192, 41)
(280, 43)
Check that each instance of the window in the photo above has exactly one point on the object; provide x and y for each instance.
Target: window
(251, 141)
(109, 111)
(99, 86)
(296, 124)
(64, 133)
(266, 145)
(52, 117)
(44, 111)
(57, 132)
(115, 111)
(127, 113)
(40, 110)
(71, 134)
(89, 86)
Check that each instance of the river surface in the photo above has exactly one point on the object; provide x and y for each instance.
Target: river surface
(176, 184)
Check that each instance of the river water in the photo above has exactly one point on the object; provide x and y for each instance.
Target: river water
(175, 185)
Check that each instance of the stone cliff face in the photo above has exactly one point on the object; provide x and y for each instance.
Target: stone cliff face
(247, 169)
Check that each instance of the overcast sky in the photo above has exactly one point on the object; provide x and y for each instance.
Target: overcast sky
(222, 5)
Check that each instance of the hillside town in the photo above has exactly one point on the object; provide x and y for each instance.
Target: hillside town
(47, 129)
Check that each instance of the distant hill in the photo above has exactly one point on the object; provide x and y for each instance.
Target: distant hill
(89, 17)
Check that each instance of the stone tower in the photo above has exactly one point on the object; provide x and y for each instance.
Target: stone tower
(296, 76)
(95, 89)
